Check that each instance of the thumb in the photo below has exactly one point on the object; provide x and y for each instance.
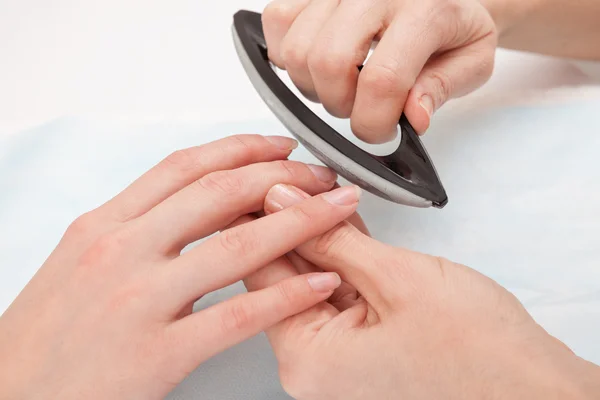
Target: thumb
(449, 75)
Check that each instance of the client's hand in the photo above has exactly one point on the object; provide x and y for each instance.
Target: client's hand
(423, 328)
(108, 316)
(429, 51)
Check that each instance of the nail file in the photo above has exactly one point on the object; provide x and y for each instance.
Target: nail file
(407, 176)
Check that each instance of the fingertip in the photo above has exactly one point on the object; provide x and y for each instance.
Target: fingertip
(344, 196)
(417, 112)
(283, 142)
(282, 196)
(324, 282)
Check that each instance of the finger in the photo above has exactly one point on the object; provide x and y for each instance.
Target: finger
(237, 252)
(290, 265)
(449, 75)
(277, 18)
(389, 74)
(301, 265)
(284, 268)
(273, 272)
(340, 48)
(342, 298)
(230, 322)
(356, 220)
(343, 249)
(279, 270)
(300, 38)
(218, 198)
(185, 166)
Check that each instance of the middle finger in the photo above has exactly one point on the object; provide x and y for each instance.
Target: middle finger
(217, 199)
(299, 40)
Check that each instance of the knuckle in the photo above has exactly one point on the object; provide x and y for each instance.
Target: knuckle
(290, 170)
(451, 7)
(441, 265)
(285, 294)
(383, 80)
(107, 249)
(301, 216)
(323, 60)
(279, 12)
(83, 226)
(440, 12)
(238, 241)
(244, 148)
(243, 143)
(334, 241)
(183, 161)
(443, 86)
(294, 54)
(221, 183)
(128, 296)
(236, 317)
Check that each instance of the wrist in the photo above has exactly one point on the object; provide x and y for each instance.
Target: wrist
(507, 14)
(552, 371)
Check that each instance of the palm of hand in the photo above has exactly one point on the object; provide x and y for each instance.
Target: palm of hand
(409, 325)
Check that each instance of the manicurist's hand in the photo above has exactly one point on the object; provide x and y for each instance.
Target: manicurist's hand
(416, 327)
(108, 315)
(429, 51)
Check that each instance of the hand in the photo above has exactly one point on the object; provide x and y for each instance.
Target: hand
(108, 315)
(429, 51)
(422, 328)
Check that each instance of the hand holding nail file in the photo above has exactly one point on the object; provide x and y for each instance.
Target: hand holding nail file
(406, 176)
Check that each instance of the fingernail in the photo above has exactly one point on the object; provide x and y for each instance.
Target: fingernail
(344, 196)
(324, 282)
(284, 143)
(427, 103)
(323, 173)
(283, 196)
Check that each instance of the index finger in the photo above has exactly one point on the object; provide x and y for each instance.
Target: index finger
(237, 252)
(342, 249)
(185, 166)
(388, 76)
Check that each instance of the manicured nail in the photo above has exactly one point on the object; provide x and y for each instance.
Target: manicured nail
(324, 282)
(426, 103)
(323, 173)
(284, 143)
(344, 196)
(283, 196)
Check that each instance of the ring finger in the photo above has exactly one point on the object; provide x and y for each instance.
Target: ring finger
(299, 40)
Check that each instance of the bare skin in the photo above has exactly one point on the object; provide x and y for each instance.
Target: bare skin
(111, 307)
(108, 315)
(414, 327)
(428, 52)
